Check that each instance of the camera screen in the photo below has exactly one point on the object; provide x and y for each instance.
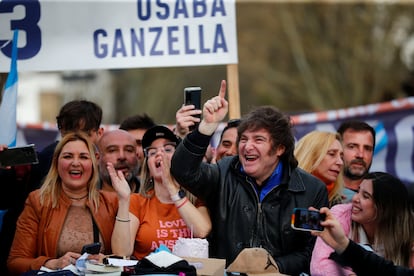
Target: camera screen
(307, 220)
(18, 156)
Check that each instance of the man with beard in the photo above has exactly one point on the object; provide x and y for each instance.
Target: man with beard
(118, 147)
(358, 141)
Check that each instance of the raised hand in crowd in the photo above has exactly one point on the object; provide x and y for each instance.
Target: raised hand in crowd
(119, 183)
(214, 111)
(185, 119)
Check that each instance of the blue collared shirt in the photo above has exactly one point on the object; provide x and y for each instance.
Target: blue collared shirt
(274, 180)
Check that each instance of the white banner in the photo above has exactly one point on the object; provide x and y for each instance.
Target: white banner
(79, 35)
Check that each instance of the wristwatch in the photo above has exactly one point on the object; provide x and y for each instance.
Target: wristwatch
(180, 195)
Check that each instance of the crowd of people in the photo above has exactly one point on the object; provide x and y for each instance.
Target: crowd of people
(144, 185)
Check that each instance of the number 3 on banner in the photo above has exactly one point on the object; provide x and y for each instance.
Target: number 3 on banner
(27, 26)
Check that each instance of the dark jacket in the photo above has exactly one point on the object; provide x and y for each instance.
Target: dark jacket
(18, 182)
(367, 263)
(239, 220)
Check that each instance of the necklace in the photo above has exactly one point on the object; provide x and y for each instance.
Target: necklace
(77, 198)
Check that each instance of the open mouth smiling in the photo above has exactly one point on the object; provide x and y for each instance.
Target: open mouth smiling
(250, 158)
(75, 173)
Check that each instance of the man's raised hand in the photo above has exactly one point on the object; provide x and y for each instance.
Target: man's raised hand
(214, 111)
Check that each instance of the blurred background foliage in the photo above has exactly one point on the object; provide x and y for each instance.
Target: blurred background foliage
(299, 57)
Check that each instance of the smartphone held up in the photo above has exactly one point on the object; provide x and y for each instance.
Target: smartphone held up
(307, 220)
(18, 156)
(192, 96)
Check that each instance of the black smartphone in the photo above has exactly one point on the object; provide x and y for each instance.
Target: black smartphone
(92, 248)
(192, 95)
(18, 156)
(307, 220)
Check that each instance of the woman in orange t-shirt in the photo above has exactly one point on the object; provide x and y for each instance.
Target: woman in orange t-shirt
(162, 211)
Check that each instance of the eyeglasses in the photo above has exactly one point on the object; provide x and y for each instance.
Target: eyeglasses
(167, 148)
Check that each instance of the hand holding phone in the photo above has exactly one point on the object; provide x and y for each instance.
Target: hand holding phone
(192, 96)
(18, 156)
(307, 220)
(92, 248)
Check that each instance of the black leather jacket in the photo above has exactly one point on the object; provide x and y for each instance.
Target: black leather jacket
(239, 219)
(364, 262)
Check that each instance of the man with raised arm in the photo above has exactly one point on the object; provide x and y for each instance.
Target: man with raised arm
(251, 196)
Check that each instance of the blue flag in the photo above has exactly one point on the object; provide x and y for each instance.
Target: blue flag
(8, 123)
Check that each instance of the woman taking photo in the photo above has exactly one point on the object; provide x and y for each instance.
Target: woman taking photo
(379, 219)
(162, 211)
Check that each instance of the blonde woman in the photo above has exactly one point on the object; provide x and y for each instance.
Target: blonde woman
(66, 213)
(320, 153)
(162, 211)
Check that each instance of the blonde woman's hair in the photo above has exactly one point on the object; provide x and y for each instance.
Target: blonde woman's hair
(311, 149)
(51, 188)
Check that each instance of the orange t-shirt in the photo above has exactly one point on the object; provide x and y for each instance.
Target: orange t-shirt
(160, 223)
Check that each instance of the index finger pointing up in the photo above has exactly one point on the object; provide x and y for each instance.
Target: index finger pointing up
(223, 87)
